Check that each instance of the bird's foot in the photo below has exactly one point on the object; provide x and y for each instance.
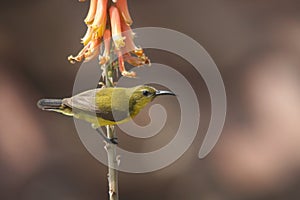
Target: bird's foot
(101, 85)
(113, 140)
(108, 140)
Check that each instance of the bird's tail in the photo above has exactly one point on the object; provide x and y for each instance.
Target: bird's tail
(50, 104)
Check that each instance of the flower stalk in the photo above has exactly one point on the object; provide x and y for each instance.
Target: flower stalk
(110, 38)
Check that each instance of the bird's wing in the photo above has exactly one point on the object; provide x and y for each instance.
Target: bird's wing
(88, 103)
(85, 101)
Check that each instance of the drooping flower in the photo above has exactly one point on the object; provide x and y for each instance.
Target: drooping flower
(103, 59)
(123, 7)
(123, 71)
(115, 33)
(92, 12)
(132, 54)
(99, 23)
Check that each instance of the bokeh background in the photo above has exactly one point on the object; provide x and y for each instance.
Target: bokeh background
(256, 45)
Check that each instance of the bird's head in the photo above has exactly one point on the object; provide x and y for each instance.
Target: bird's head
(142, 95)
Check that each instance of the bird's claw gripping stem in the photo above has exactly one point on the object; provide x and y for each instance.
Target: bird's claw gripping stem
(113, 140)
(108, 140)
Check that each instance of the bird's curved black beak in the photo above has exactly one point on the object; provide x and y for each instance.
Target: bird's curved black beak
(163, 92)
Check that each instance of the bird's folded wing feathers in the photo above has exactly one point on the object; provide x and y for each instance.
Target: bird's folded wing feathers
(86, 102)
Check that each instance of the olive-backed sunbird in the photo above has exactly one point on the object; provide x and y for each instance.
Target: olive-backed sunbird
(104, 106)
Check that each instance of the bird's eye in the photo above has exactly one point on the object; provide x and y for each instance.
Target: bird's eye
(146, 93)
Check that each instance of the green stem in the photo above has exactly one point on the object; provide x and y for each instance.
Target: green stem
(111, 148)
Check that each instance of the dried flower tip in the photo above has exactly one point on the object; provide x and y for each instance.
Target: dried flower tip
(92, 12)
(116, 28)
(73, 59)
(123, 7)
(139, 52)
(129, 74)
(136, 61)
(80, 55)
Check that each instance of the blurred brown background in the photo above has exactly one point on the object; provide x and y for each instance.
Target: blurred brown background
(256, 45)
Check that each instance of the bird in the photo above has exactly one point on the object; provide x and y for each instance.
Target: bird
(105, 106)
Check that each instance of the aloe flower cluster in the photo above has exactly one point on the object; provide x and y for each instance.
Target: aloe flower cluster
(109, 32)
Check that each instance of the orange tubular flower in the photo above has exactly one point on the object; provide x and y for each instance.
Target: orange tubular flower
(136, 61)
(93, 51)
(116, 28)
(105, 57)
(99, 23)
(92, 11)
(129, 35)
(122, 67)
(90, 51)
(140, 59)
(123, 7)
(118, 31)
(88, 36)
